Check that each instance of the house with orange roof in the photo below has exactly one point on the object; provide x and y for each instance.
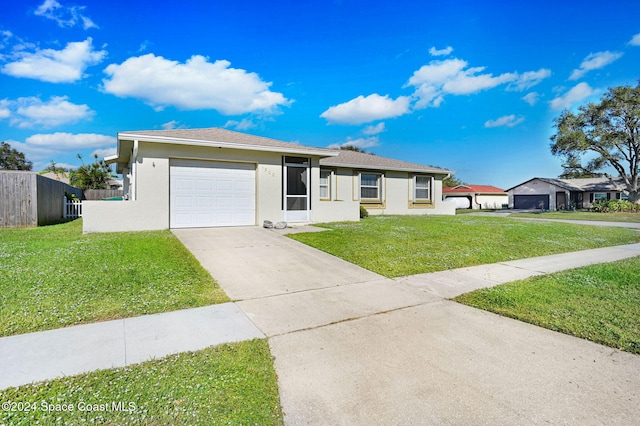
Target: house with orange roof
(477, 196)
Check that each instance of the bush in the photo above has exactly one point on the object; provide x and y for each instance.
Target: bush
(615, 206)
(363, 213)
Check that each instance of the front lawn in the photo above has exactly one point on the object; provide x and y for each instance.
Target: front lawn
(600, 303)
(227, 384)
(54, 276)
(396, 246)
(579, 215)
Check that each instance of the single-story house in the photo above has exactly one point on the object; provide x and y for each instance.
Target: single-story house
(476, 196)
(564, 194)
(215, 177)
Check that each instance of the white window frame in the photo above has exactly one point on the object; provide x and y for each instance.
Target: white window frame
(328, 185)
(429, 187)
(379, 178)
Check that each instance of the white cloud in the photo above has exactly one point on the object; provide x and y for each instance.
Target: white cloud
(432, 82)
(5, 112)
(595, 61)
(358, 143)
(442, 52)
(32, 111)
(42, 148)
(244, 124)
(576, 94)
(196, 84)
(531, 98)
(507, 120)
(528, 79)
(104, 152)
(55, 66)
(173, 124)
(64, 141)
(374, 130)
(65, 16)
(366, 109)
(635, 41)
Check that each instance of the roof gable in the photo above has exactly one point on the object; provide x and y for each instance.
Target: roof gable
(483, 189)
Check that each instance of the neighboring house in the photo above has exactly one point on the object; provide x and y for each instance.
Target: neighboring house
(216, 177)
(476, 196)
(564, 194)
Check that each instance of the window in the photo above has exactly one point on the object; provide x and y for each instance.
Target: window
(422, 188)
(325, 184)
(599, 196)
(369, 186)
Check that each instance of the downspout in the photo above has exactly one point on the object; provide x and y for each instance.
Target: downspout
(134, 169)
(475, 198)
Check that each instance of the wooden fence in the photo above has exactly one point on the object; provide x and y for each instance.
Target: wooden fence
(28, 199)
(99, 194)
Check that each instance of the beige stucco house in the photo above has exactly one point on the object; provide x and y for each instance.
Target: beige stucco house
(215, 177)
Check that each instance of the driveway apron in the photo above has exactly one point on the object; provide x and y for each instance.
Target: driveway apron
(354, 348)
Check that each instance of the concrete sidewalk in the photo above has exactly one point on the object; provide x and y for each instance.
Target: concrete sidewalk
(353, 347)
(26, 358)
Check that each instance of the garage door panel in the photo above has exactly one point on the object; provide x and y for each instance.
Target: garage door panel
(206, 193)
(531, 202)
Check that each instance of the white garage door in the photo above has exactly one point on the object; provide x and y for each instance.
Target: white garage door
(207, 193)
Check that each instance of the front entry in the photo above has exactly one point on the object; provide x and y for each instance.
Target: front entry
(296, 183)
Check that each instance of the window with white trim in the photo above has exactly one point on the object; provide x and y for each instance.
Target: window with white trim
(325, 184)
(422, 188)
(370, 186)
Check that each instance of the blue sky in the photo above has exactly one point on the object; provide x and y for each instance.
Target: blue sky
(469, 86)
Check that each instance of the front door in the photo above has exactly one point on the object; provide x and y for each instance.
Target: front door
(561, 201)
(296, 182)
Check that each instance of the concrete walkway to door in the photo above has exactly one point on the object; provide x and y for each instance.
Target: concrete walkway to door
(352, 347)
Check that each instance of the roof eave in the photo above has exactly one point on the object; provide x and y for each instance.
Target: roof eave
(393, 169)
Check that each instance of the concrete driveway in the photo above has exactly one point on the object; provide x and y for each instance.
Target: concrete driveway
(352, 347)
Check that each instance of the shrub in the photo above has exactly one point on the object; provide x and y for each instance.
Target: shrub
(615, 206)
(363, 213)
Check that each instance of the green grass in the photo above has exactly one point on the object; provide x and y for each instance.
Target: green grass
(396, 246)
(600, 303)
(54, 276)
(227, 384)
(579, 215)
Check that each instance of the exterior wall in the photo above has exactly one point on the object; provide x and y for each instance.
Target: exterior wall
(587, 202)
(341, 206)
(397, 188)
(489, 201)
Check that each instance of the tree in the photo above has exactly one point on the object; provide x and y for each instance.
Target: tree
(608, 132)
(91, 176)
(12, 159)
(55, 169)
(353, 148)
(451, 181)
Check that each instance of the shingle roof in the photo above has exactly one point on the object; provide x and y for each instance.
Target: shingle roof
(481, 189)
(584, 184)
(215, 134)
(361, 160)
